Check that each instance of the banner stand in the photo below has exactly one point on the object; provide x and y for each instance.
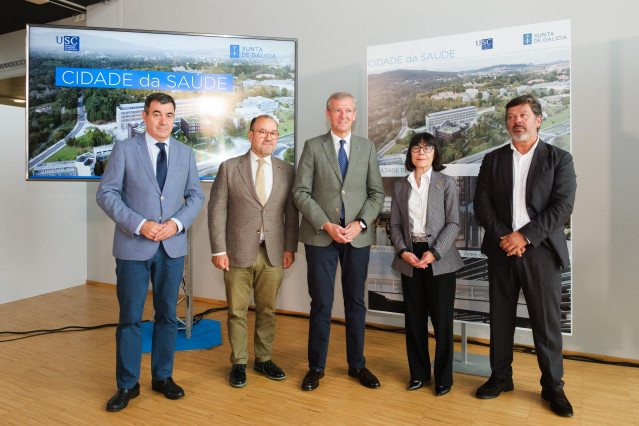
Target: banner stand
(465, 363)
(187, 288)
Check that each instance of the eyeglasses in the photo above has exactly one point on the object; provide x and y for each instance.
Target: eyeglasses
(264, 133)
(427, 149)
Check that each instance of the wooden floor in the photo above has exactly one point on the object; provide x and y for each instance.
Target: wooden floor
(67, 378)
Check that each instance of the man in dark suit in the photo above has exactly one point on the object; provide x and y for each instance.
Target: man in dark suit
(253, 227)
(524, 197)
(151, 190)
(339, 191)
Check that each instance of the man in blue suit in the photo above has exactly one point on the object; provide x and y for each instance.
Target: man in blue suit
(151, 190)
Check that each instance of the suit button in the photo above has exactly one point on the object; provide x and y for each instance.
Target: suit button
(160, 218)
(263, 211)
(162, 197)
(343, 192)
(337, 210)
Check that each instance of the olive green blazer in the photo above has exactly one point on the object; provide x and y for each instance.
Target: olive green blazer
(319, 190)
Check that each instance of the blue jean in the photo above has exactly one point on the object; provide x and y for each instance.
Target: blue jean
(165, 273)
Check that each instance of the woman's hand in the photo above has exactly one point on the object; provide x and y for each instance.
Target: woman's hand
(427, 259)
(411, 259)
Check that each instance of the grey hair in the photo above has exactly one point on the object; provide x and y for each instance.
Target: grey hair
(340, 95)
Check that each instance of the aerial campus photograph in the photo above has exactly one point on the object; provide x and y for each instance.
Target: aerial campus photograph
(463, 107)
(72, 127)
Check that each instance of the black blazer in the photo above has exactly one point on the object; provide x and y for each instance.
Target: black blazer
(550, 196)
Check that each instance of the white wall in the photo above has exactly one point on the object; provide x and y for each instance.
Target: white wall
(43, 247)
(333, 36)
(44, 236)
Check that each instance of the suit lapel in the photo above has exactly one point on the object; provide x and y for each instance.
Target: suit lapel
(354, 155)
(174, 156)
(329, 149)
(538, 160)
(244, 168)
(435, 187)
(278, 180)
(404, 194)
(145, 160)
(505, 165)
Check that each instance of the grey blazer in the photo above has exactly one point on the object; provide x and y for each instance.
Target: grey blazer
(235, 213)
(442, 226)
(129, 193)
(319, 189)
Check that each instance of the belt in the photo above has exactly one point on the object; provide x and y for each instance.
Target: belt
(262, 243)
(423, 239)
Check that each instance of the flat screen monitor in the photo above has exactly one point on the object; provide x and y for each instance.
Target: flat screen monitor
(86, 89)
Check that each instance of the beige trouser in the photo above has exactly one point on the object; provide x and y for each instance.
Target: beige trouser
(265, 280)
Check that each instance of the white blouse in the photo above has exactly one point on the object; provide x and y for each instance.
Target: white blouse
(418, 203)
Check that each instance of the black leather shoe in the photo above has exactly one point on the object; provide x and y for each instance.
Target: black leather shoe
(365, 377)
(122, 397)
(311, 380)
(441, 390)
(415, 384)
(493, 387)
(558, 402)
(168, 387)
(237, 378)
(270, 370)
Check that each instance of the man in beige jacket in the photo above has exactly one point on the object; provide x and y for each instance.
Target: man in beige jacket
(253, 227)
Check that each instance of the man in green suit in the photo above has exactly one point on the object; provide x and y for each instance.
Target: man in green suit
(339, 191)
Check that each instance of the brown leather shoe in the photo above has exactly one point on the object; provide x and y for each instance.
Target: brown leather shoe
(366, 378)
(311, 380)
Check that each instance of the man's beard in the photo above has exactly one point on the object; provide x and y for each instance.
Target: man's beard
(521, 137)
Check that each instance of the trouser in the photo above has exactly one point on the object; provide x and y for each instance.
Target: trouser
(265, 280)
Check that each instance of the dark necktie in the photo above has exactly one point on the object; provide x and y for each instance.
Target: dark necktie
(342, 159)
(160, 165)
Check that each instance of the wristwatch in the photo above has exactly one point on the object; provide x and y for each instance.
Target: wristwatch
(362, 223)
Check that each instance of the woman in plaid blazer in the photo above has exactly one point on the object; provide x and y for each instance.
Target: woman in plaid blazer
(424, 227)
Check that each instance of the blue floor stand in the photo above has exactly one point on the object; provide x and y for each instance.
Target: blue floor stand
(205, 334)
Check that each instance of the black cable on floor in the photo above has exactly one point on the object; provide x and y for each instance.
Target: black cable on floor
(198, 317)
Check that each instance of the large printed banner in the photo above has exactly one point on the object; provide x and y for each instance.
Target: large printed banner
(455, 87)
(86, 89)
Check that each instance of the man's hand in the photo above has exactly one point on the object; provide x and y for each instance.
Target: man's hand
(427, 259)
(353, 229)
(514, 244)
(150, 229)
(158, 232)
(169, 229)
(337, 233)
(222, 261)
(289, 258)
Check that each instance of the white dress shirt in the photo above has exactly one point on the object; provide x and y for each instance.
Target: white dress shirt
(347, 144)
(418, 203)
(154, 151)
(521, 166)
